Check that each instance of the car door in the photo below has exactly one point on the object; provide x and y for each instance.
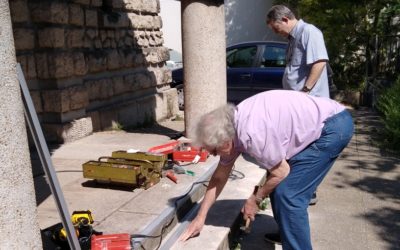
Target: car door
(240, 61)
(269, 68)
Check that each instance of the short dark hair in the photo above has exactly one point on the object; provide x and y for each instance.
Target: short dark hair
(277, 12)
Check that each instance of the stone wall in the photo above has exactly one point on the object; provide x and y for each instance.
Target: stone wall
(93, 64)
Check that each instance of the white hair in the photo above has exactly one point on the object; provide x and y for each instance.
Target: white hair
(216, 127)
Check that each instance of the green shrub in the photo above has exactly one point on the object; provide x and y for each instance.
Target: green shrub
(389, 105)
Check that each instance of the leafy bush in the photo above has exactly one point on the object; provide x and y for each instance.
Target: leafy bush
(389, 104)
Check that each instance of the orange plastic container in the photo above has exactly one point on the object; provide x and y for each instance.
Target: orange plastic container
(111, 242)
(180, 151)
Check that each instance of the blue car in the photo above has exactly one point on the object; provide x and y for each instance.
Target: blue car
(252, 67)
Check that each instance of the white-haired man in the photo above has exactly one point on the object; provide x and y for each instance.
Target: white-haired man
(295, 137)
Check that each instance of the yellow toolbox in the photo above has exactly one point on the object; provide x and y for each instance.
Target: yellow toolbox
(135, 169)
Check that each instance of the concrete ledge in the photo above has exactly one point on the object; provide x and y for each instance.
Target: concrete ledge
(167, 220)
(224, 216)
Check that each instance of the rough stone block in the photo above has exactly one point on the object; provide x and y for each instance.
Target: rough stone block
(93, 90)
(56, 101)
(157, 22)
(146, 109)
(76, 15)
(98, 44)
(141, 39)
(79, 98)
(68, 132)
(19, 11)
(61, 65)
(150, 6)
(113, 60)
(91, 18)
(131, 83)
(50, 12)
(167, 76)
(74, 38)
(157, 75)
(145, 79)
(24, 39)
(140, 59)
(28, 66)
(80, 66)
(96, 62)
(119, 86)
(111, 34)
(103, 35)
(96, 3)
(140, 22)
(92, 33)
(99, 89)
(116, 4)
(51, 38)
(96, 122)
(116, 20)
(128, 56)
(171, 102)
(42, 65)
(106, 88)
(37, 100)
(156, 55)
(83, 2)
(128, 115)
(108, 119)
(145, 6)
(128, 41)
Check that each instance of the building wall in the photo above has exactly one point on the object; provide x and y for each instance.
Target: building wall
(93, 64)
(170, 13)
(245, 21)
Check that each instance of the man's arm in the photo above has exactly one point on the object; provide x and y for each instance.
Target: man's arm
(315, 74)
(215, 186)
(275, 176)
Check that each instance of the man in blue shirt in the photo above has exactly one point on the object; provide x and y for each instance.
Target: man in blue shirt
(306, 56)
(306, 60)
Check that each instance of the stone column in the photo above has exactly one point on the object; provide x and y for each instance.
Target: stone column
(204, 53)
(19, 228)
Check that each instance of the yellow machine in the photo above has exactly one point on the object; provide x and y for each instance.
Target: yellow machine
(137, 169)
(80, 220)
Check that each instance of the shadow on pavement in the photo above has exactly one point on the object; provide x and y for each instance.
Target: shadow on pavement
(379, 181)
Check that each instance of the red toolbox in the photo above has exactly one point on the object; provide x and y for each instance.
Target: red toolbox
(111, 242)
(180, 151)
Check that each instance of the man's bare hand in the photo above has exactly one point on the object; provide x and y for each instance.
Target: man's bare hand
(250, 208)
(193, 230)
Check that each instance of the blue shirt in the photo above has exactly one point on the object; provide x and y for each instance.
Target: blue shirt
(277, 124)
(306, 46)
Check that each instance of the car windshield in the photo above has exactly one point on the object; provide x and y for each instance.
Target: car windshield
(241, 57)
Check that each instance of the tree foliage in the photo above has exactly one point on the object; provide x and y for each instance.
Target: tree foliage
(349, 29)
(389, 105)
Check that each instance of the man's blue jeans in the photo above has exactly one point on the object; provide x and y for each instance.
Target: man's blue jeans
(291, 197)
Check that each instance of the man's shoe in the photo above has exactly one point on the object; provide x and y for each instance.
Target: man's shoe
(314, 199)
(273, 238)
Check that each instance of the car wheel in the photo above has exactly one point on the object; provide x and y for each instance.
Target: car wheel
(181, 100)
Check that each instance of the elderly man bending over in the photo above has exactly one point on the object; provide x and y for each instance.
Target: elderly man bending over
(294, 136)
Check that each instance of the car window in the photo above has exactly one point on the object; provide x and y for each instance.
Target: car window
(241, 57)
(273, 57)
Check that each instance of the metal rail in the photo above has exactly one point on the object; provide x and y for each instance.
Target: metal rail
(43, 151)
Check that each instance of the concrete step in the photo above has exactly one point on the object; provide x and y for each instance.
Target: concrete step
(223, 220)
